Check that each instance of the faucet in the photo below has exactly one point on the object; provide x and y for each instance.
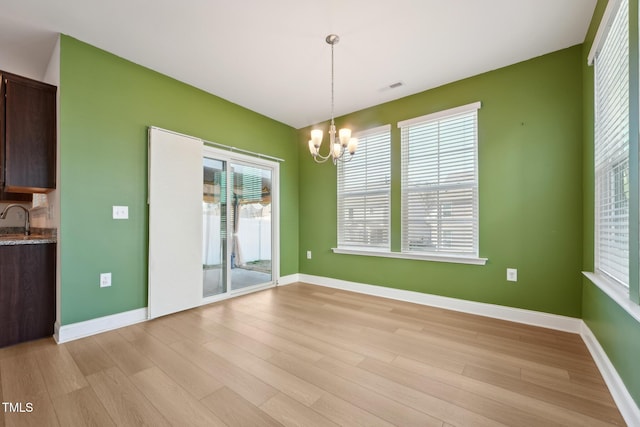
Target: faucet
(27, 226)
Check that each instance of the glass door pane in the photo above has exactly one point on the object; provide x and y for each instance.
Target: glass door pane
(250, 226)
(214, 227)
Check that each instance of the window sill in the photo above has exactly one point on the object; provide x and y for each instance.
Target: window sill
(616, 293)
(421, 257)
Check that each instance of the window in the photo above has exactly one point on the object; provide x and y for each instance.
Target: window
(364, 187)
(440, 182)
(611, 68)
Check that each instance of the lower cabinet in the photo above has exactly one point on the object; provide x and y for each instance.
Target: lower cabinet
(27, 292)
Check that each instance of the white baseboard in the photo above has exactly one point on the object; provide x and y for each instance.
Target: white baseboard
(627, 406)
(519, 315)
(288, 280)
(78, 330)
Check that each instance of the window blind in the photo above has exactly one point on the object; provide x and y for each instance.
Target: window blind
(364, 188)
(612, 150)
(440, 182)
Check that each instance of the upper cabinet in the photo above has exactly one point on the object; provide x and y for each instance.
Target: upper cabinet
(27, 137)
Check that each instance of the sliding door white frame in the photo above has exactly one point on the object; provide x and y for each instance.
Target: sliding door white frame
(230, 158)
(175, 221)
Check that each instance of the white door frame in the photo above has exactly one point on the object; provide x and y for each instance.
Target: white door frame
(231, 157)
(175, 221)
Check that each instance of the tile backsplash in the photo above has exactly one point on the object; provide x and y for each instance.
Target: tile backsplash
(42, 211)
(45, 210)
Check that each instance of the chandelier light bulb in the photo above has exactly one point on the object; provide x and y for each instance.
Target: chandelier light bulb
(345, 136)
(337, 151)
(352, 146)
(316, 137)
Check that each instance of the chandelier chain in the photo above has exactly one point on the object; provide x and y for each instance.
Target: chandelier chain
(332, 91)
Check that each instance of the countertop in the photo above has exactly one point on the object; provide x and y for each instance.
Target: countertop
(11, 236)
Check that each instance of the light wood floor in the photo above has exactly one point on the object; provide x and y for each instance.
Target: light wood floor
(304, 355)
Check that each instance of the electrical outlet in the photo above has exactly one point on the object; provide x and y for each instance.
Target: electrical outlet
(105, 280)
(308, 254)
(512, 274)
(121, 212)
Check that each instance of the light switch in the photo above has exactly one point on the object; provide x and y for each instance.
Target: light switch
(512, 274)
(121, 212)
(105, 280)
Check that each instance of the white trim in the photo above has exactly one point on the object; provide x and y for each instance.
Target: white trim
(275, 223)
(288, 280)
(78, 330)
(603, 29)
(519, 315)
(627, 406)
(409, 255)
(616, 292)
(98, 325)
(438, 115)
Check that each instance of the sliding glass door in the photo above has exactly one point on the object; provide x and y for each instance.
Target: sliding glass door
(214, 227)
(238, 208)
(250, 226)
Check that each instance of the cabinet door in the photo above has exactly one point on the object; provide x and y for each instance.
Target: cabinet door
(6, 196)
(29, 135)
(27, 292)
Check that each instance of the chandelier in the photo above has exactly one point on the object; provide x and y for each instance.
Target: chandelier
(344, 144)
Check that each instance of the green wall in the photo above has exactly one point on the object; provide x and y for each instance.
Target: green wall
(536, 187)
(107, 103)
(617, 332)
(530, 178)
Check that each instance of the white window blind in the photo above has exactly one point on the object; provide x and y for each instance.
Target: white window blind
(364, 188)
(440, 182)
(612, 149)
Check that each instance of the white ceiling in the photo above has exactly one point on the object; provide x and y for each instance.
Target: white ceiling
(271, 56)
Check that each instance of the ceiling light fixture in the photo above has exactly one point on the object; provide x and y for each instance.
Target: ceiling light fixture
(344, 144)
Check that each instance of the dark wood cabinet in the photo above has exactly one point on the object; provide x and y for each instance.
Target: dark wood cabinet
(15, 197)
(27, 292)
(27, 137)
